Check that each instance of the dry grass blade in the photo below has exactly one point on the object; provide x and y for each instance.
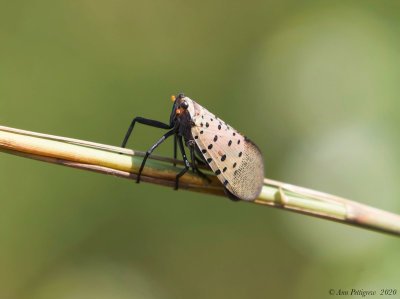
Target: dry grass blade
(125, 163)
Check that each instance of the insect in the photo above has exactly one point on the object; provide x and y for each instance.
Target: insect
(236, 161)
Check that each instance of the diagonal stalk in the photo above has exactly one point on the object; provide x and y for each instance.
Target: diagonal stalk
(125, 163)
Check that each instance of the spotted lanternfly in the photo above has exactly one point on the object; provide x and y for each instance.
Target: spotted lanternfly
(236, 161)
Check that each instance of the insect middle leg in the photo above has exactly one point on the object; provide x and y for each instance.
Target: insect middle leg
(175, 148)
(159, 141)
(187, 164)
(145, 121)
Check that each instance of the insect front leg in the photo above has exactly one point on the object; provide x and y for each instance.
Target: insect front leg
(159, 141)
(187, 164)
(145, 121)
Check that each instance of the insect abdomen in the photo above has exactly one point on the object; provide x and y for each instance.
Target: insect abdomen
(236, 161)
(248, 179)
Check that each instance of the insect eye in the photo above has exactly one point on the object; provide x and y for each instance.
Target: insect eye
(184, 105)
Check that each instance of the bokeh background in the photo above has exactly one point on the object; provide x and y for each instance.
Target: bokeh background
(314, 84)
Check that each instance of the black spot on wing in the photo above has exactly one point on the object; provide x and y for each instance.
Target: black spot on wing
(218, 172)
(210, 146)
(223, 170)
(215, 138)
(209, 160)
(203, 151)
(223, 158)
(230, 143)
(226, 182)
(240, 154)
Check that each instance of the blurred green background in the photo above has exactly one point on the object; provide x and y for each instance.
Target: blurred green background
(314, 84)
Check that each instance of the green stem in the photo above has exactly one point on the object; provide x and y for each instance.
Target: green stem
(160, 170)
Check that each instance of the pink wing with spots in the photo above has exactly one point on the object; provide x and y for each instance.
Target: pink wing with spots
(236, 161)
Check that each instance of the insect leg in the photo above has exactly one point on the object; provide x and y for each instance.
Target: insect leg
(230, 195)
(199, 161)
(203, 175)
(145, 121)
(175, 148)
(161, 140)
(187, 164)
(194, 159)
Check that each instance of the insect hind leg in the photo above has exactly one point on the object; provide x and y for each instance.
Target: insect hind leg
(195, 159)
(200, 161)
(230, 195)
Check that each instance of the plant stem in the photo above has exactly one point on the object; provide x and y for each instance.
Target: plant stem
(125, 163)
